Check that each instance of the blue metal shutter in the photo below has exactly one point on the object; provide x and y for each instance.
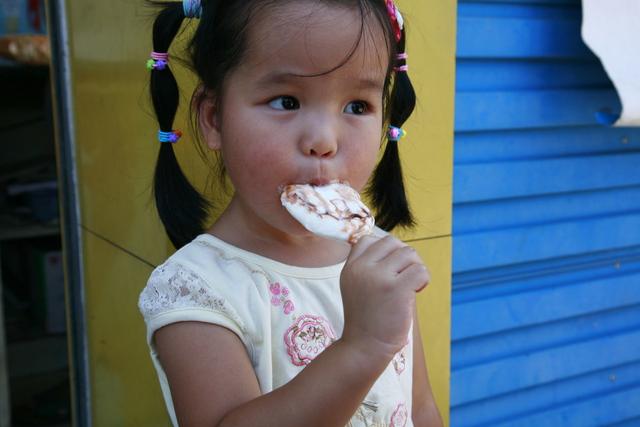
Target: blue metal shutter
(546, 226)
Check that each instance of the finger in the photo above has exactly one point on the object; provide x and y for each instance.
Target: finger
(416, 276)
(400, 259)
(382, 248)
(374, 248)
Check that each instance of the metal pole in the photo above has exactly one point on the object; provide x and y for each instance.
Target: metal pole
(5, 402)
(64, 124)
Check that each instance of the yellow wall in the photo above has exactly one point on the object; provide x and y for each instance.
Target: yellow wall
(116, 151)
(427, 152)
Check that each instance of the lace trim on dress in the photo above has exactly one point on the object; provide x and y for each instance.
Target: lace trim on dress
(172, 286)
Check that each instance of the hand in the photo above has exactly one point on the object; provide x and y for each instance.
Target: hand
(378, 285)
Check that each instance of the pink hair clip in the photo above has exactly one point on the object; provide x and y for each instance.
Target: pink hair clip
(396, 19)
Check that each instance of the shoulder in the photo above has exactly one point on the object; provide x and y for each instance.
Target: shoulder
(175, 290)
(173, 285)
(202, 265)
(200, 283)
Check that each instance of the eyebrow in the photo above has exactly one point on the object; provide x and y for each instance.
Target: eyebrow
(370, 83)
(278, 77)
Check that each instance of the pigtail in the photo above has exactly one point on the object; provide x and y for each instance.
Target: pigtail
(182, 209)
(387, 190)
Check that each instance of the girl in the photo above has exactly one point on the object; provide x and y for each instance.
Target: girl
(255, 321)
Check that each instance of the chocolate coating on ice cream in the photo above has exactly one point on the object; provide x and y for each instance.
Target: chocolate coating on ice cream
(333, 210)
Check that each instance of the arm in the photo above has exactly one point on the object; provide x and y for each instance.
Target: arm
(213, 382)
(424, 410)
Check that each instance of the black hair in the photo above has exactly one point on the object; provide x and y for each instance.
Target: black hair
(216, 48)
(386, 188)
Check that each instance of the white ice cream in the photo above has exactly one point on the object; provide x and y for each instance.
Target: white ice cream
(334, 210)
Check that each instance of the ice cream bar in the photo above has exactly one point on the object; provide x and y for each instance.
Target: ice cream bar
(334, 210)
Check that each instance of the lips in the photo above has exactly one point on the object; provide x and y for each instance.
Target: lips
(322, 181)
(319, 176)
(315, 182)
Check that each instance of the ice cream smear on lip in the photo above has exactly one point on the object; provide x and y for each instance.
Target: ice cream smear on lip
(333, 210)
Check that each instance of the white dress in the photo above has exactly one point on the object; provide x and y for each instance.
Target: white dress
(284, 315)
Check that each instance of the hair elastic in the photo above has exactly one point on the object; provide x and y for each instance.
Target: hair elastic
(401, 57)
(171, 137)
(396, 19)
(396, 133)
(158, 61)
(192, 8)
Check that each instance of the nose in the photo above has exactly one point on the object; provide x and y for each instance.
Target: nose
(320, 138)
(322, 150)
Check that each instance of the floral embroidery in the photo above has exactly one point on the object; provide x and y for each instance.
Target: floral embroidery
(399, 417)
(275, 288)
(288, 307)
(279, 296)
(400, 360)
(307, 338)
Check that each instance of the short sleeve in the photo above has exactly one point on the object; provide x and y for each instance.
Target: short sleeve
(174, 293)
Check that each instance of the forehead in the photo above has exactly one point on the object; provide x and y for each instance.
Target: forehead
(310, 37)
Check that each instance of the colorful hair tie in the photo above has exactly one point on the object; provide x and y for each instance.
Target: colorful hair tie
(192, 8)
(171, 137)
(158, 61)
(396, 19)
(401, 57)
(396, 133)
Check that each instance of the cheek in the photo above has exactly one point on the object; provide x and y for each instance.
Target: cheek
(362, 166)
(256, 160)
(251, 143)
(254, 163)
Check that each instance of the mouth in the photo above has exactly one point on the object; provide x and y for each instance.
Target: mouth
(315, 182)
(318, 182)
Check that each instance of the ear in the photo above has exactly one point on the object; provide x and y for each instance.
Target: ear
(208, 119)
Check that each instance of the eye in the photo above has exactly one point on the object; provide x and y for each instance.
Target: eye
(284, 103)
(356, 107)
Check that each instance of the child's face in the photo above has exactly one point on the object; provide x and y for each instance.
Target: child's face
(277, 129)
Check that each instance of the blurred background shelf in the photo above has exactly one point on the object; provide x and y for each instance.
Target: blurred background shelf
(34, 367)
(14, 228)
